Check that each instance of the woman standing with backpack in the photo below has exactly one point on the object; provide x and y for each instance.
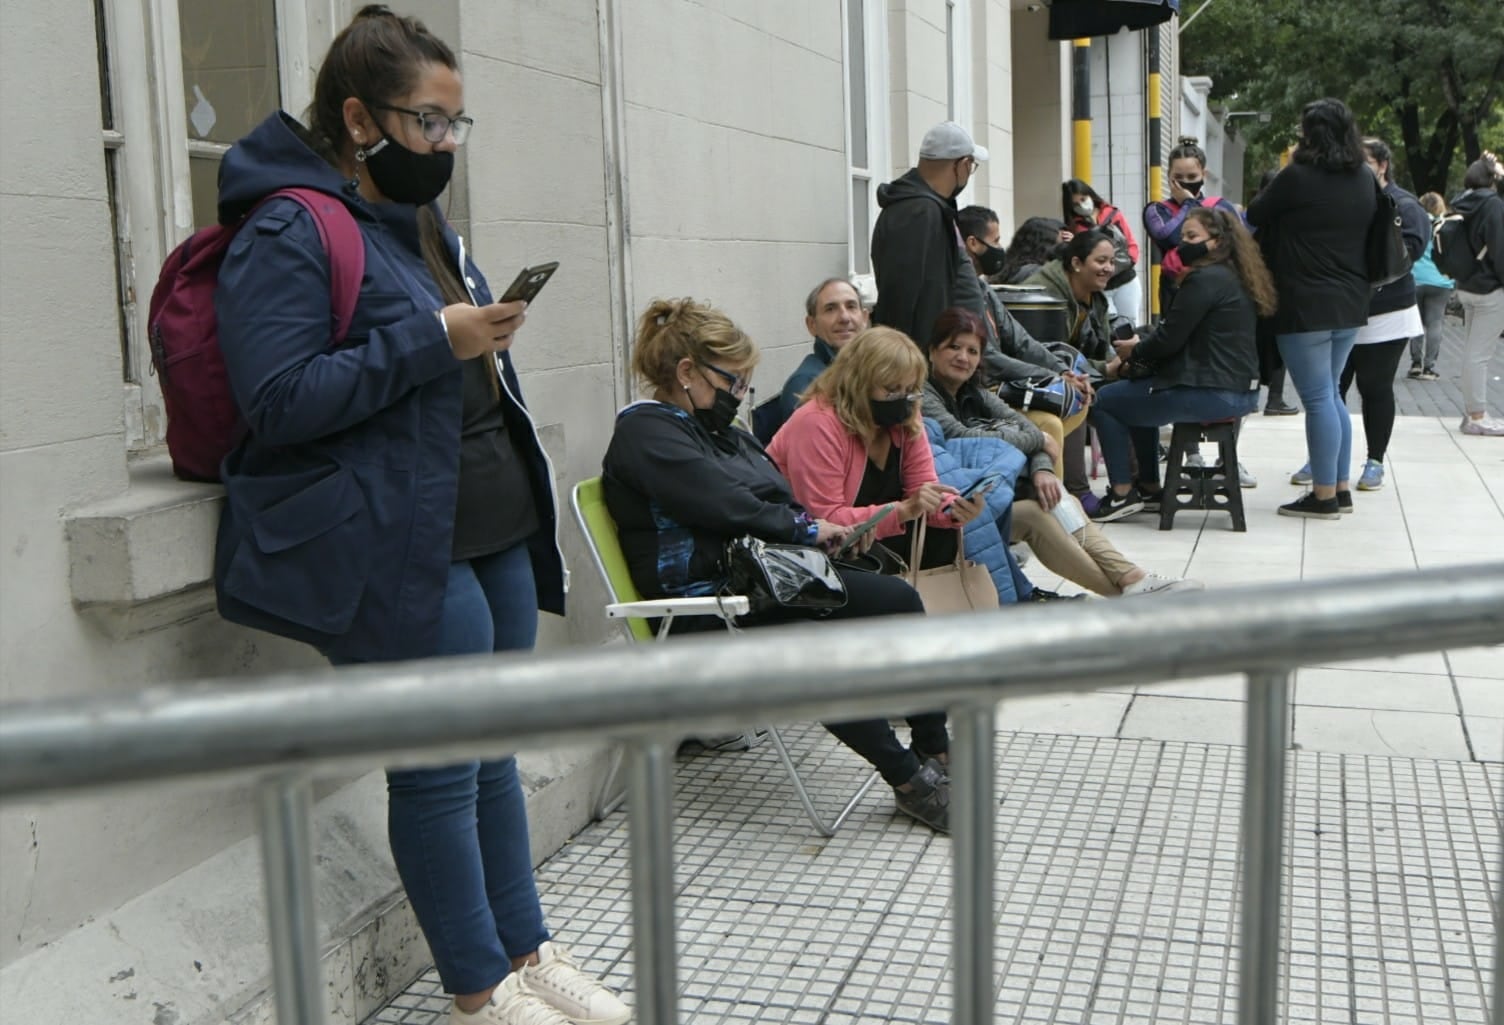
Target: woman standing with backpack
(1082, 210)
(1433, 290)
(1481, 289)
(390, 499)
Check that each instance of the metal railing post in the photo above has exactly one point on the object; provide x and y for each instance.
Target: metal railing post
(286, 812)
(650, 808)
(1498, 1015)
(973, 818)
(1263, 838)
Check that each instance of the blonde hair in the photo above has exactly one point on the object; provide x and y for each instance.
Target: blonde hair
(875, 358)
(671, 330)
(1435, 205)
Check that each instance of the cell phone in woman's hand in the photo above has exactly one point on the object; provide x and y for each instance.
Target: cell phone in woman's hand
(529, 282)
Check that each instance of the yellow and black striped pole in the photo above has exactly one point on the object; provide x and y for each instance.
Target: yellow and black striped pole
(1081, 109)
(1156, 157)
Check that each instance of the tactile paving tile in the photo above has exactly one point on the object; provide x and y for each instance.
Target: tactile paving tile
(1116, 891)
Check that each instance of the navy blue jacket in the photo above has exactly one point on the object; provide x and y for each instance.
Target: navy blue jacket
(809, 368)
(340, 503)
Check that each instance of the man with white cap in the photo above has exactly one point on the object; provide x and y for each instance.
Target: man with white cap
(918, 255)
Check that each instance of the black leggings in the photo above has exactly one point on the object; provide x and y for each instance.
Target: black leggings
(1374, 366)
(867, 594)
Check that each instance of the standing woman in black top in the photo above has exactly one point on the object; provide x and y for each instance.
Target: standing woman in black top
(1318, 210)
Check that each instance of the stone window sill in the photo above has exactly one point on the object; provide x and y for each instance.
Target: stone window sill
(144, 560)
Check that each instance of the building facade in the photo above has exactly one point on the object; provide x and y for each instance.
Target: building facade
(728, 151)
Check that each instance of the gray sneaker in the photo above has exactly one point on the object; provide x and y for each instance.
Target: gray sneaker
(928, 797)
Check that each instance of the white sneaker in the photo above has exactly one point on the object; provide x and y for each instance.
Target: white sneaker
(582, 1000)
(1194, 459)
(1246, 478)
(511, 1003)
(1153, 583)
(1487, 426)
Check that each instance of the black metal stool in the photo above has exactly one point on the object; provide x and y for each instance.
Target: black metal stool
(1203, 487)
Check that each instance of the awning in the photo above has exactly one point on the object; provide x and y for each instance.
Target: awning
(1076, 19)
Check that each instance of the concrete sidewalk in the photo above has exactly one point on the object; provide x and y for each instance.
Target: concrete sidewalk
(1118, 821)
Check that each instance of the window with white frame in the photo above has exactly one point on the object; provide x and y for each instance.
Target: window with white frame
(180, 81)
(866, 56)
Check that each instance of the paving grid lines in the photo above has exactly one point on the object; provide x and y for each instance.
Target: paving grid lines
(1116, 891)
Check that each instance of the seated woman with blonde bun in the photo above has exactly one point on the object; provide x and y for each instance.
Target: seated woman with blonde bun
(858, 443)
(681, 480)
(963, 409)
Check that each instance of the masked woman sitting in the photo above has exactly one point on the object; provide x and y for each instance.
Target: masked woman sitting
(963, 409)
(681, 480)
(857, 444)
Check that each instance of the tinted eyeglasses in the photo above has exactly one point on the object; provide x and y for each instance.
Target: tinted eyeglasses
(435, 127)
(737, 384)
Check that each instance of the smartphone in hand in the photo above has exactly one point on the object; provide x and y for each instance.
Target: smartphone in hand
(981, 486)
(529, 282)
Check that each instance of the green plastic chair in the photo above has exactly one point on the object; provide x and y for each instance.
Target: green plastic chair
(635, 612)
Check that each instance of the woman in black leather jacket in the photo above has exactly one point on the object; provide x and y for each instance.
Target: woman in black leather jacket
(1201, 362)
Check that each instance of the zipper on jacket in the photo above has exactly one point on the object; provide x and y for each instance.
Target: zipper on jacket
(553, 489)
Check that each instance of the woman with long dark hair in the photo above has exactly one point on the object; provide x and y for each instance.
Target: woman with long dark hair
(1034, 244)
(1318, 210)
(1083, 209)
(391, 499)
(1200, 362)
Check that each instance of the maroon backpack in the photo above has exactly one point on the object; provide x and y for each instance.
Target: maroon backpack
(203, 422)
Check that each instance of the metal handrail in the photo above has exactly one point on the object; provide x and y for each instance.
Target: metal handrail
(285, 727)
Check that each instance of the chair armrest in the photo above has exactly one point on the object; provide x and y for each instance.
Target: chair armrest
(736, 605)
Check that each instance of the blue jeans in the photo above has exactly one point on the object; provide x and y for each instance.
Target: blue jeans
(1315, 360)
(459, 832)
(1128, 415)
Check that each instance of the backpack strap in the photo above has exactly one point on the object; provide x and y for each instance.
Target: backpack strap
(346, 248)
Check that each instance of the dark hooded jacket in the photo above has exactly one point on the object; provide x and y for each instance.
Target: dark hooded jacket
(340, 507)
(1483, 213)
(920, 259)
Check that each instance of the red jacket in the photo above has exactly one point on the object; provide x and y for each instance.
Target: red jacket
(825, 463)
(1108, 214)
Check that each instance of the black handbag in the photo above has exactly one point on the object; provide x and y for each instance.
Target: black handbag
(1384, 248)
(776, 576)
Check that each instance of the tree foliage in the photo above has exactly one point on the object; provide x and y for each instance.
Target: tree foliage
(1426, 75)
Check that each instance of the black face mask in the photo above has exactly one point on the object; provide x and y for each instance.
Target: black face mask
(1194, 188)
(990, 261)
(891, 412)
(1190, 252)
(721, 412)
(404, 176)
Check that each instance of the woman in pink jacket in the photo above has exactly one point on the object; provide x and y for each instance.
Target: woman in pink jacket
(858, 443)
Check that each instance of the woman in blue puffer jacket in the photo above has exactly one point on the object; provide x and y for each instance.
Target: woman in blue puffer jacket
(965, 414)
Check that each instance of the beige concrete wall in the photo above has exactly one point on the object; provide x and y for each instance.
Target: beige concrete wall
(1041, 118)
(62, 445)
(736, 155)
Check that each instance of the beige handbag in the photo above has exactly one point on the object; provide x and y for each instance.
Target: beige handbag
(959, 587)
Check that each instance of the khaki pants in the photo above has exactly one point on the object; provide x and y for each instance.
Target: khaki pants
(1058, 429)
(1086, 558)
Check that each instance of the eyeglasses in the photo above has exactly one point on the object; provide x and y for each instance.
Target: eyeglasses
(436, 127)
(893, 394)
(738, 383)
